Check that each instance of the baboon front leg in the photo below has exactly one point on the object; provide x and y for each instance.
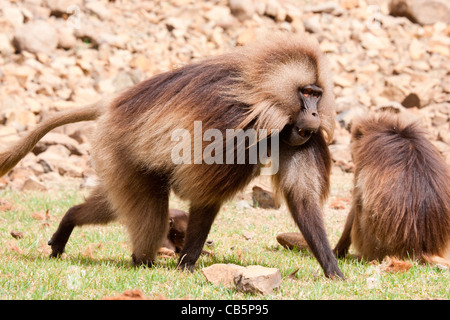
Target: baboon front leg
(95, 210)
(200, 221)
(308, 217)
(345, 240)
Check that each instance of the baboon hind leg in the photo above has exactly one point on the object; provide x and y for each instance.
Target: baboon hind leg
(142, 200)
(200, 221)
(95, 210)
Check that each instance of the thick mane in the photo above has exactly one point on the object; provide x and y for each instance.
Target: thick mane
(403, 185)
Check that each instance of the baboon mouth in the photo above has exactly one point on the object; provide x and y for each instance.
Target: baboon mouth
(295, 136)
(305, 133)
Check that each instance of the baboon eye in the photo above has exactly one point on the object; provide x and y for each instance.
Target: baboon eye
(306, 92)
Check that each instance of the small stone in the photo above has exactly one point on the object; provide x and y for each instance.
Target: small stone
(36, 36)
(291, 240)
(21, 119)
(53, 138)
(272, 8)
(33, 184)
(246, 36)
(242, 9)
(6, 48)
(222, 274)
(417, 49)
(411, 100)
(421, 11)
(257, 279)
(16, 234)
(98, 8)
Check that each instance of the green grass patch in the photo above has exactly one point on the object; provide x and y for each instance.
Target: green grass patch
(97, 261)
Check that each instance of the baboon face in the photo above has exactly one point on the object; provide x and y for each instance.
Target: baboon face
(177, 231)
(307, 122)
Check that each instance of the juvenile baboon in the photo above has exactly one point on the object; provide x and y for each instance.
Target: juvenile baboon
(278, 84)
(401, 195)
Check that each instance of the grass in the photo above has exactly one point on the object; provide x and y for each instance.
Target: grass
(97, 261)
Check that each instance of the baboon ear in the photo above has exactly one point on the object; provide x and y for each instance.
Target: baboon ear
(171, 222)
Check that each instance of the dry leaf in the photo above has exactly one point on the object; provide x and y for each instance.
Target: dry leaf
(37, 215)
(291, 275)
(5, 206)
(392, 264)
(13, 247)
(134, 294)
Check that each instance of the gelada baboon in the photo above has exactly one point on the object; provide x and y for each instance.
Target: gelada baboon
(178, 221)
(401, 195)
(278, 84)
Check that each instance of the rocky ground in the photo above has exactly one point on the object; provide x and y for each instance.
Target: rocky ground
(59, 54)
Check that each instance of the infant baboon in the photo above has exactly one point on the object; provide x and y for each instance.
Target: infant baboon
(178, 221)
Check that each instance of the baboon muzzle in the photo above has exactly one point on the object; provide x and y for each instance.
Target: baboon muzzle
(308, 121)
(307, 124)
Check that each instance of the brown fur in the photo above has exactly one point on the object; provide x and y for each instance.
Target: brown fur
(252, 87)
(178, 222)
(10, 157)
(401, 197)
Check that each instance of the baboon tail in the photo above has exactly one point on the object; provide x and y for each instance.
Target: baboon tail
(10, 157)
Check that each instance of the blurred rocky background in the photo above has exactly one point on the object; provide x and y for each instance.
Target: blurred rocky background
(59, 54)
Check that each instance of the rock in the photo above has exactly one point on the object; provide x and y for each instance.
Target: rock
(141, 62)
(98, 8)
(345, 118)
(251, 279)
(264, 198)
(327, 7)
(272, 8)
(344, 80)
(421, 11)
(33, 184)
(8, 135)
(439, 119)
(6, 48)
(370, 41)
(36, 37)
(341, 156)
(291, 240)
(257, 279)
(20, 119)
(246, 36)
(242, 9)
(248, 235)
(444, 135)
(66, 38)
(122, 81)
(313, 24)
(417, 49)
(16, 234)
(59, 7)
(222, 274)
(14, 16)
(411, 100)
(53, 138)
(440, 46)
